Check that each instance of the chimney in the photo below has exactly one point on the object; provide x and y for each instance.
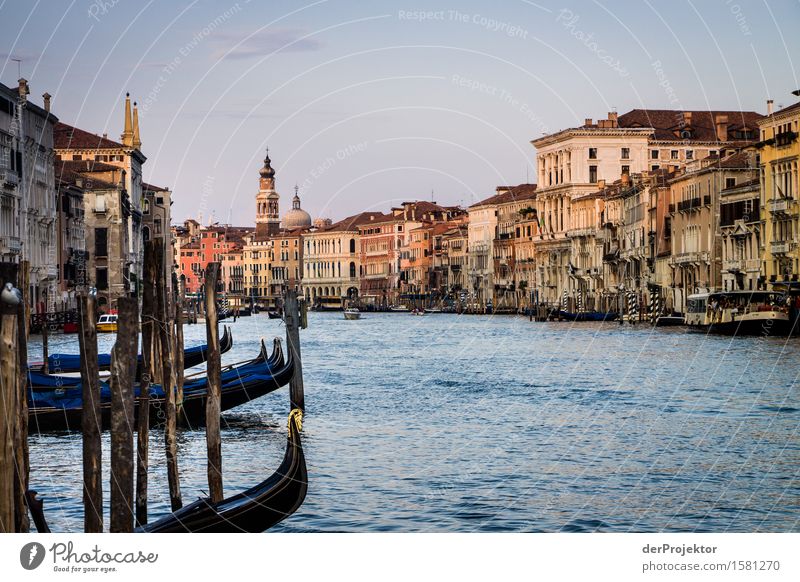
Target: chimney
(105, 136)
(612, 116)
(46, 97)
(587, 121)
(721, 122)
(769, 106)
(127, 134)
(687, 119)
(24, 90)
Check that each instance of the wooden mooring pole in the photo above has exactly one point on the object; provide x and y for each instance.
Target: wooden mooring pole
(167, 380)
(45, 341)
(213, 440)
(145, 376)
(22, 463)
(179, 295)
(8, 395)
(91, 417)
(123, 370)
(291, 316)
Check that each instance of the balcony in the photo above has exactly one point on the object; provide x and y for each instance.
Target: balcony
(733, 266)
(752, 265)
(781, 206)
(10, 245)
(785, 138)
(9, 178)
(779, 247)
(689, 204)
(581, 232)
(690, 258)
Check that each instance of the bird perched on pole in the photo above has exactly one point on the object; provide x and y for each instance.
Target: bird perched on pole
(11, 295)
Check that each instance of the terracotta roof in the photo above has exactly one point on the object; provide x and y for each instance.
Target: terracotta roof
(351, 222)
(513, 193)
(68, 137)
(381, 219)
(71, 172)
(787, 109)
(151, 188)
(668, 123)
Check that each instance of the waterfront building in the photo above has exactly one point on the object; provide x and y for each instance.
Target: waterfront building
(742, 232)
(696, 236)
(71, 238)
(573, 161)
(28, 190)
(380, 240)
(286, 261)
(455, 261)
(779, 150)
(156, 218)
(74, 144)
(106, 227)
(331, 261)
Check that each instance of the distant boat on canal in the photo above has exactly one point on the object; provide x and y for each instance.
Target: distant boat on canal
(587, 316)
(352, 313)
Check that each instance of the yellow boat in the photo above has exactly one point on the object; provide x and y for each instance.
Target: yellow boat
(107, 324)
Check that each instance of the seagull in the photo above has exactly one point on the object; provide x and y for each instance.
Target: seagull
(11, 295)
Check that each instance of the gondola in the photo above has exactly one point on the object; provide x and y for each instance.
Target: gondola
(60, 408)
(274, 314)
(587, 316)
(251, 511)
(70, 363)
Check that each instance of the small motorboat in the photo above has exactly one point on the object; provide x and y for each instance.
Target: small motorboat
(587, 316)
(352, 313)
(107, 323)
(403, 308)
(416, 311)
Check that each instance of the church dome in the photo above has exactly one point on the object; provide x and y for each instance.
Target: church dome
(296, 217)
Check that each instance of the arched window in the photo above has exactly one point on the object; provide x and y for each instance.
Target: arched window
(352, 245)
(145, 233)
(352, 268)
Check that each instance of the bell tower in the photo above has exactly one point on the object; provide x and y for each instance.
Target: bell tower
(267, 213)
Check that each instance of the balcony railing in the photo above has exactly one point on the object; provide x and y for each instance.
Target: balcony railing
(579, 232)
(10, 245)
(687, 258)
(9, 177)
(781, 206)
(733, 266)
(785, 138)
(779, 247)
(752, 265)
(689, 204)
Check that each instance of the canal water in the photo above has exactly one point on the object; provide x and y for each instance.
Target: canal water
(476, 423)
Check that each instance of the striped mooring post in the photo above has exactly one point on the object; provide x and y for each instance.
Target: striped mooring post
(654, 302)
(632, 307)
(579, 301)
(565, 301)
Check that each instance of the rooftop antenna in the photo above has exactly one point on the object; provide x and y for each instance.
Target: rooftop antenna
(19, 67)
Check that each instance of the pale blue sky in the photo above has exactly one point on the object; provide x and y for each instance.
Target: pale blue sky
(365, 104)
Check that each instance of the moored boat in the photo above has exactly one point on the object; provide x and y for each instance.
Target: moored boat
(739, 313)
(254, 510)
(70, 363)
(107, 323)
(401, 308)
(59, 407)
(587, 316)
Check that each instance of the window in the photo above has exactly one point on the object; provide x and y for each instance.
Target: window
(160, 200)
(100, 203)
(626, 170)
(712, 152)
(101, 242)
(730, 182)
(592, 174)
(101, 275)
(689, 154)
(76, 158)
(654, 167)
(146, 206)
(626, 153)
(673, 154)
(653, 154)
(592, 153)
(352, 245)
